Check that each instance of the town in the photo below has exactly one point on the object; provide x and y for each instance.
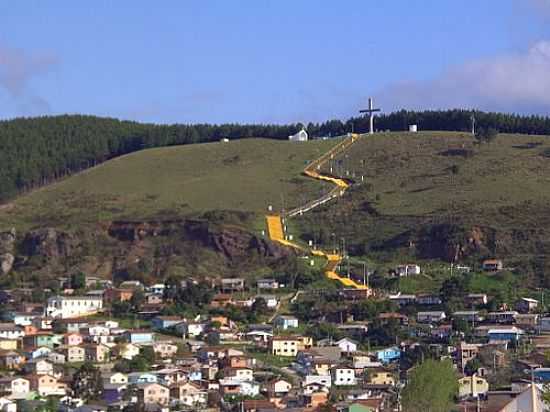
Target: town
(94, 346)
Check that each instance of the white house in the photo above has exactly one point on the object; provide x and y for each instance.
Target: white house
(73, 306)
(11, 331)
(347, 345)
(270, 300)
(301, 136)
(325, 380)
(285, 322)
(407, 270)
(343, 376)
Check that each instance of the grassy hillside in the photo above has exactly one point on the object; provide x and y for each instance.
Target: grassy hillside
(244, 175)
(441, 187)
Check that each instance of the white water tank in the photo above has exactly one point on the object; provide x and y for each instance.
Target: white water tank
(413, 128)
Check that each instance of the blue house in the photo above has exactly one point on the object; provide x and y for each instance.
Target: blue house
(142, 377)
(388, 355)
(164, 322)
(139, 336)
(542, 375)
(512, 334)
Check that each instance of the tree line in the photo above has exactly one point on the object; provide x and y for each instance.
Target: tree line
(37, 151)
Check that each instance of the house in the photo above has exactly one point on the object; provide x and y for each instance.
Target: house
(278, 387)
(472, 387)
(73, 353)
(56, 357)
(430, 317)
(40, 339)
(190, 329)
(96, 352)
(17, 387)
(157, 288)
(475, 299)
(47, 385)
(221, 300)
(527, 320)
(125, 351)
(39, 367)
(189, 394)
(492, 265)
(11, 360)
(270, 300)
(73, 306)
(387, 317)
(235, 387)
(165, 349)
(229, 285)
(239, 374)
(164, 322)
(136, 378)
(380, 377)
(347, 345)
(267, 284)
(301, 136)
(402, 299)
(113, 295)
(466, 352)
(407, 270)
(343, 375)
(510, 334)
(285, 322)
(131, 284)
(323, 380)
(11, 331)
(7, 405)
(116, 378)
(289, 345)
(526, 305)
(428, 300)
(153, 393)
(388, 355)
(468, 315)
(72, 339)
(139, 336)
(9, 344)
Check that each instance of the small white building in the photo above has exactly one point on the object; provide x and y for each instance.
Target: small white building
(301, 136)
(73, 306)
(343, 376)
(347, 345)
(430, 316)
(407, 270)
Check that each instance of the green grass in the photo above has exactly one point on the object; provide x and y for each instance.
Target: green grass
(243, 175)
(411, 182)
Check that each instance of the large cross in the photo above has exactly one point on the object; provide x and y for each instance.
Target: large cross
(370, 111)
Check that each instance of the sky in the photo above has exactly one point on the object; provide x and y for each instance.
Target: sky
(281, 61)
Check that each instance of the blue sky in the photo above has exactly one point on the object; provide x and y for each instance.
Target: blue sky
(271, 61)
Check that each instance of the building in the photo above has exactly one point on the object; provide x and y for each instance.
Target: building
(347, 345)
(343, 375)
(430, 317)
(492, 265)
(380, 377)
(285, 322)
(164, 322)
(507, 316)
(73, 353)
(73, 306)
(301, 136)
(475, 299)
(139, 336)
(472, 387)
(232, 285)
(388, 355)
(11, 331)
(267, 284)
(526, 305)
(285, 345)
(153, 393)
(510, 334)
(407, 270)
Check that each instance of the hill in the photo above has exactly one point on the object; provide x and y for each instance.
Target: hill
(439, 195)
(192, 210)
(162, 183)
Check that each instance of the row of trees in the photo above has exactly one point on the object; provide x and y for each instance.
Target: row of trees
(36, 151)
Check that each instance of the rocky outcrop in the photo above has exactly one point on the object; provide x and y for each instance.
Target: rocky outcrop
(7, 241)
(234, 242)
(50, 243)
(452, 242)
(6, 263)
(136, 231)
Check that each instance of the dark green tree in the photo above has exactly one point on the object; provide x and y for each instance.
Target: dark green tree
(87, 382)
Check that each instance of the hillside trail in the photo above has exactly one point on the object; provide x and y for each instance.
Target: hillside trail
(276, 222)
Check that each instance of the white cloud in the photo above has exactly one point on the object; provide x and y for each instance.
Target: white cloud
(17, 69)
(515, 83)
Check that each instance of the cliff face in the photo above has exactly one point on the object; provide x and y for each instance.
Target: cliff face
(142, 249)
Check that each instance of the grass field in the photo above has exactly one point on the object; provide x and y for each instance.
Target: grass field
(243, 175)
(407, 181)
